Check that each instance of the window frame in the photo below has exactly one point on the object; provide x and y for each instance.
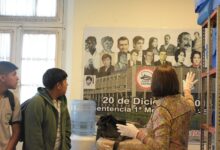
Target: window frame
(12, 33)
(29, 30)
(18, 25)
(59, 37)
(57, 19)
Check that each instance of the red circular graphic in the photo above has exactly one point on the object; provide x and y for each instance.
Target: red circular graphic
(143, 78)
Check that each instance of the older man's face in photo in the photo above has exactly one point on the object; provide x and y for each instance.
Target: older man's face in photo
(167, 39)
(186, 41)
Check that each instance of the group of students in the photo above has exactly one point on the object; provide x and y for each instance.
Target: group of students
(46, 121)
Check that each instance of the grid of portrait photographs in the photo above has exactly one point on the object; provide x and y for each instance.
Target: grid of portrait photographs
(111, 50)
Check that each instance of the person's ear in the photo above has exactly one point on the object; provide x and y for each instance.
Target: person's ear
(2, 77)
(59, 85)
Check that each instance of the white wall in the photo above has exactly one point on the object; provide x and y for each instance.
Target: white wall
(173, 14)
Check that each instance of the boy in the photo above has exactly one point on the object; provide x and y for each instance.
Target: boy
(8, 116)
(47, 120)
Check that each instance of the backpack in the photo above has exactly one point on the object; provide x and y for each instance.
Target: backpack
(24, 106)
(10, 96)
(23, 109)
(107, 129)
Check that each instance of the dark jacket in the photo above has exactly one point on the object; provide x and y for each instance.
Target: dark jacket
(103, 72)
(171, 49)
(137, 63)
(41, 121)
(158, 63)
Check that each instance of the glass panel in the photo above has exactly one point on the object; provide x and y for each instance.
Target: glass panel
(39, 46)
(32, 71)
(38, 8)
(38, 54)
(27, 92)
(5, 46)
(46, 8)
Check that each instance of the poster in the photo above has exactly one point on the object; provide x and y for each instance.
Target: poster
(119, 63)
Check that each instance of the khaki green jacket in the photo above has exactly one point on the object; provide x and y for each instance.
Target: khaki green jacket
(41, 121)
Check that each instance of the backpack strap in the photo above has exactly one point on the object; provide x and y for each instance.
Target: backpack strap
(11, 99)
(10, 96)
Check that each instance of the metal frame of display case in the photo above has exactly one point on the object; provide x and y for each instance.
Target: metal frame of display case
(212, 136)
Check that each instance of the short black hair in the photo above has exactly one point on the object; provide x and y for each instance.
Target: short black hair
(147, 51)
(164, 81)
(88, 78)
(134, 51)
(53, 76)
(91, 38)
(137, 38)
(7, 67)
(145, 54)
(106, 56)
(123, 38)
(167, 35)
(162, 50)
(107, 38)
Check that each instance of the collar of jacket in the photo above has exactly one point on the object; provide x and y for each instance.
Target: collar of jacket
(44, 93)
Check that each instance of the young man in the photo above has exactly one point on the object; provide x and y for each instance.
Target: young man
(107, 68)
(133, 61)
(8, 115)
(89, 81)
(122, 61)
(148, 58)
(91, 55)
(162, 59)
(123, 44)
(138, 43)
(47, 120)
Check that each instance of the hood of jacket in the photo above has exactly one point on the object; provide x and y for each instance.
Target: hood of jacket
(44, 93)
